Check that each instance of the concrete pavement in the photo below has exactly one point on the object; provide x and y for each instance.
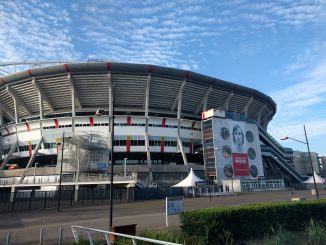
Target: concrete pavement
(25, 226)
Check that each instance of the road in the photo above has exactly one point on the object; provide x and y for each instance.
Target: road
(24, 227)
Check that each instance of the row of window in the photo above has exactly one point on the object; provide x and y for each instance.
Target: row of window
(101, 124)
(160, 126)
(173, 126)
(21, 148)
(116, 143)
(137, 162)
(151, 143)
(50, 145)
(26, 147)
(25, 130)
(60, 126)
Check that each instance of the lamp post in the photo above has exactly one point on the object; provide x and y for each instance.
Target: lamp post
(60, 177)
(125, 167)
(312, 168)
(111, 124)
(35, 165)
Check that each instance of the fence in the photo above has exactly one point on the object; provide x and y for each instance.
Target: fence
(33, 199)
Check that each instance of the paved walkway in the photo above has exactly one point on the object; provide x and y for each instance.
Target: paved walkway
(25, 226)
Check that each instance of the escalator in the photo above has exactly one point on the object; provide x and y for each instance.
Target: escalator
(275, 154)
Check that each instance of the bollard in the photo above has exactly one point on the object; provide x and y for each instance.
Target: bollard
(60, 236)
(41, 236)
(8, 238)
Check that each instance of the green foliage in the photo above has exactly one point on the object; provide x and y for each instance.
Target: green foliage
(315, 233)
(176, 237)
(250, 220)
(282, 237)
(82, 241)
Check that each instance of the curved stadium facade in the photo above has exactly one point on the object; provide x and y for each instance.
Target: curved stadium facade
(157, 117)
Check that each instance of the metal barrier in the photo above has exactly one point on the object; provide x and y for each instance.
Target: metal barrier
(34, 199)
(106, 234)
(54, 179)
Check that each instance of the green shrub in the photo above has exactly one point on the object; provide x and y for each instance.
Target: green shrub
(250, 220)
(282, 237)
(315, 233)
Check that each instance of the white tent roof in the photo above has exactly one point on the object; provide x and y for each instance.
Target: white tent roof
(317, 178)
(190, 181)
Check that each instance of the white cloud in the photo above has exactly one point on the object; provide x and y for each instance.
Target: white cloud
(304, 102)
(294, 100)
(295, 130)
(33, 31)
(142, 31)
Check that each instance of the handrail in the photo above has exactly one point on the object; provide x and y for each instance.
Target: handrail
(280, 159)
(73, 228)
(277, 145)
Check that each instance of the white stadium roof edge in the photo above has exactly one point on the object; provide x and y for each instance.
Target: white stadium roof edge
(90, 83)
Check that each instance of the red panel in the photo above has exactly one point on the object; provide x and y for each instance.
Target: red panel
(56, 122)
(91, 121)
(150, 67)
(163, 122)
(28, 128)
(162, 144)
(2, 81)
(66, 66)
(108, 66)
(128, 120)
(240, 164)
(193, 125)
(29, 71)
(30, 148)
(128, 143)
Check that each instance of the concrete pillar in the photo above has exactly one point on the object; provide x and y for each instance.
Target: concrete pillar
(76, 193)
(12, 194)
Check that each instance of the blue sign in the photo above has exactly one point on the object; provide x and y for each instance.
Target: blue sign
(101, 166)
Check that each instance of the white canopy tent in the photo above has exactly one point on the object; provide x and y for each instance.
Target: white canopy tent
(190, 181)
(317, 178)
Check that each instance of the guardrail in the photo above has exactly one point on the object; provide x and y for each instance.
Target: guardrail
(106, 235)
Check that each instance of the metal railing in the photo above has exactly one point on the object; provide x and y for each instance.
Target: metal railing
(54, 179)
(106, 235)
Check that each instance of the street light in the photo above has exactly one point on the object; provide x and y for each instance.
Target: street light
(60, 179)
(35, 165)
(312, 168)
(125, 167)
(111, 124)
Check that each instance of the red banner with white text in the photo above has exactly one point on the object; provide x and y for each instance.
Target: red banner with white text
(240, 164)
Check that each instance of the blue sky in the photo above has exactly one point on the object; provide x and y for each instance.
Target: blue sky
(276, 47)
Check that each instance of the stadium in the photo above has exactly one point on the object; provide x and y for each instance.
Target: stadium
(159, 129)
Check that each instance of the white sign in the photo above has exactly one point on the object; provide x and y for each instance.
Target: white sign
(174, 205)
(213, 113)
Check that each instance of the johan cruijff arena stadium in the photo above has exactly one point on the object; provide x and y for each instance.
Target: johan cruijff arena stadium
(166, 122)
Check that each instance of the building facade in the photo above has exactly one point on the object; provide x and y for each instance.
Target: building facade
(156, 113)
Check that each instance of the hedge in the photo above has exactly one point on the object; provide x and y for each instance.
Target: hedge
(249, 221)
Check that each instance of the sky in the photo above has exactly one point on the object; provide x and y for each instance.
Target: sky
(277, 47)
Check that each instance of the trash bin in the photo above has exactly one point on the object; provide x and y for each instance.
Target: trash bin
(124, 229)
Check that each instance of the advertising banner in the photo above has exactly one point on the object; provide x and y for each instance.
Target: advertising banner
(236, 145)
(240, 164)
